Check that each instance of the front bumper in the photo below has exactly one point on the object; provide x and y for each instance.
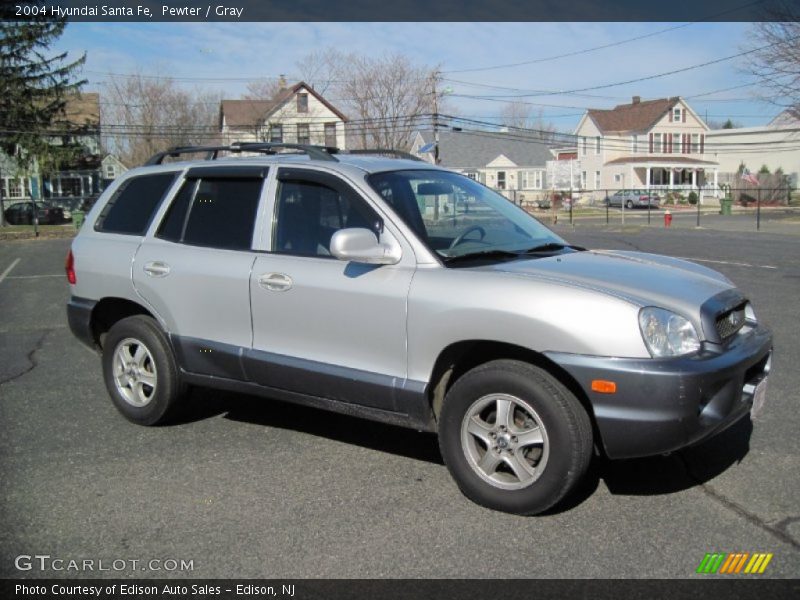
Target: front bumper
(662, 405)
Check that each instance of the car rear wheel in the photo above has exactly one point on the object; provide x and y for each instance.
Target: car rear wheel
(513, 437)
(629, 204)
(140, 371)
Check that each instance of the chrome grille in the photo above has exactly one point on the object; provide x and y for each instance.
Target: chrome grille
(730, 322)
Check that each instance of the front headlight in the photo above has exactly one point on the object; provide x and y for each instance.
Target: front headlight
(667, 334)
(749, 313)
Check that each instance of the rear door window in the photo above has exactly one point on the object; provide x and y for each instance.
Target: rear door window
(218, 212)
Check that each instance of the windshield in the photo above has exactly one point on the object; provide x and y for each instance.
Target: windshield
(456, 216)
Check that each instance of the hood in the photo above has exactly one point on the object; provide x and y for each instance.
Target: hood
(637, 277)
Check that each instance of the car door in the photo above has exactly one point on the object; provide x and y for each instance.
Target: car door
(194, 267)
(321, 326)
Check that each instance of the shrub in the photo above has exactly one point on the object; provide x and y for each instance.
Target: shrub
(692, 198)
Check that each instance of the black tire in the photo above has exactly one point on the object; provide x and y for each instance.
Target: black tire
(629, 204)
(555, 466)
(143, 404)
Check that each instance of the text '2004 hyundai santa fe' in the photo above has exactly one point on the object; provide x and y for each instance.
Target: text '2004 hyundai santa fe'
(401, 292)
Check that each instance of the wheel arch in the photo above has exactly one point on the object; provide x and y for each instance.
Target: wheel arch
(460, 357)
(108, 311)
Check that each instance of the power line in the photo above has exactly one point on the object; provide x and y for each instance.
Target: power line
(602, 47)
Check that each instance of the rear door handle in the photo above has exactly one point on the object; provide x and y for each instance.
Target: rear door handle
(275, 282)
(156, 269)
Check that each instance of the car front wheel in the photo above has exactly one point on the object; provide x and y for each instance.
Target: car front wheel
(513, 437)
(140, 371)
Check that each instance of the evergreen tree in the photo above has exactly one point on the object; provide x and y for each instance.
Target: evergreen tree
(36, 87)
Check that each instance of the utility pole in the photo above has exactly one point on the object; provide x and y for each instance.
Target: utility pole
(435, 138)
(435, 119)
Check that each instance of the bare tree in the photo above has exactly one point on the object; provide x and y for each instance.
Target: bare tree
(777, 66)
(388, 98)
(520, 115)
(142, 115)
(264, 89)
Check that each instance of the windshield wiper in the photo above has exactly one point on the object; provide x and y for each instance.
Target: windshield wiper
(482, 254)
(551, 246)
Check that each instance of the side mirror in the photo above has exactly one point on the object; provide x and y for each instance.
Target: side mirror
(362, 246)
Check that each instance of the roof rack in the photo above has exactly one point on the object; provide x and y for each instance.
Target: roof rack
(212, 152)
(316, 152)
(383, 151)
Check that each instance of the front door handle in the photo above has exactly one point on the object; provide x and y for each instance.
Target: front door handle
(275, 282)
(156, 269)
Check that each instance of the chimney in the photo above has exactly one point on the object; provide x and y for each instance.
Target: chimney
(281, 83)
(636, 99)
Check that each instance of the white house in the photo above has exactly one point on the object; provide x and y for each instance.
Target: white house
(776, 145)
(651, 144)
(297, 114)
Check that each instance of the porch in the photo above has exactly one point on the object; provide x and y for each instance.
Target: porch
(677, 174)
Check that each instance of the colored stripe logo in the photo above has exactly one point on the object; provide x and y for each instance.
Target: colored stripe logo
(734, 563)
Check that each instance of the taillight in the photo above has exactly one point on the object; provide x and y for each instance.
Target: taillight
(69, 265)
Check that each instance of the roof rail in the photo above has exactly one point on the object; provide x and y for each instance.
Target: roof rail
(316, 152)
(383, 151)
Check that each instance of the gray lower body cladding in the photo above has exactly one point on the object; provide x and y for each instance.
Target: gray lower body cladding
(662, 405)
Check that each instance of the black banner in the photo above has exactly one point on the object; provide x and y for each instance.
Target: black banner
(400, 10)
(401, 589)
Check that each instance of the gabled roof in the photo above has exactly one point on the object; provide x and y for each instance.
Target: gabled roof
(248, 113)
(636, 116)
(476, 149)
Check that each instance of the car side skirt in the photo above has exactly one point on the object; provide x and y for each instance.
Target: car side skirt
(354, 392)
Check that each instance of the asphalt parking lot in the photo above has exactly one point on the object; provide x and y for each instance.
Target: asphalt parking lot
(245, 487)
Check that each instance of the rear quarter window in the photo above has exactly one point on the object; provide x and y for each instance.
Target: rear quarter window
(134, 203)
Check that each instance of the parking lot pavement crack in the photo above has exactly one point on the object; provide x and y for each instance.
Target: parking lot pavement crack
(31, 356)
(779, 530)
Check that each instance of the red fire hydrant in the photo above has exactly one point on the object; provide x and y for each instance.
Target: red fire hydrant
(667, 219)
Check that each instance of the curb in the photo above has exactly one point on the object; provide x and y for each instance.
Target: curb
(29, 235)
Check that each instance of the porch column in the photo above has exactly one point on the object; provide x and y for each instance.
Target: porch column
(694, 178)
(647, 178)
(671, 178)
(716, 183)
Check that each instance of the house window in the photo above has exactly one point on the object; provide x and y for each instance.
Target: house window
(110, 172)
(303, 136)
(471, 174)
(276, 133)
(530, 180)
(617, 178)
(677, 143)
(676, 114)
(635, 144)
(597, 145)
(583, 180)
(695, 143)
(330, 134)
(16, 187)
(302, 103)
(583, 146)
(597, 180)
(657, 143)
(501, 180)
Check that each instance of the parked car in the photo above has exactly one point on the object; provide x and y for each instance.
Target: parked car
(21, 213)
(634, 199)
(317, 280)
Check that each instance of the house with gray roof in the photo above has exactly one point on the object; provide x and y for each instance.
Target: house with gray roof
(500, 160)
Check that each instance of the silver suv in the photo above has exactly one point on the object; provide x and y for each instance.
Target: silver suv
(401, 292)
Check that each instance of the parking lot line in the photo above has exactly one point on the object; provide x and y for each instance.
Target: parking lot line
(726, 262)
(34, 276)
(8, 270)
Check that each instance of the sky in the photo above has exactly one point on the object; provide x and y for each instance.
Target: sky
(225, 56)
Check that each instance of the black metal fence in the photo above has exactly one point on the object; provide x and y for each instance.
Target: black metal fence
(657, 206)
